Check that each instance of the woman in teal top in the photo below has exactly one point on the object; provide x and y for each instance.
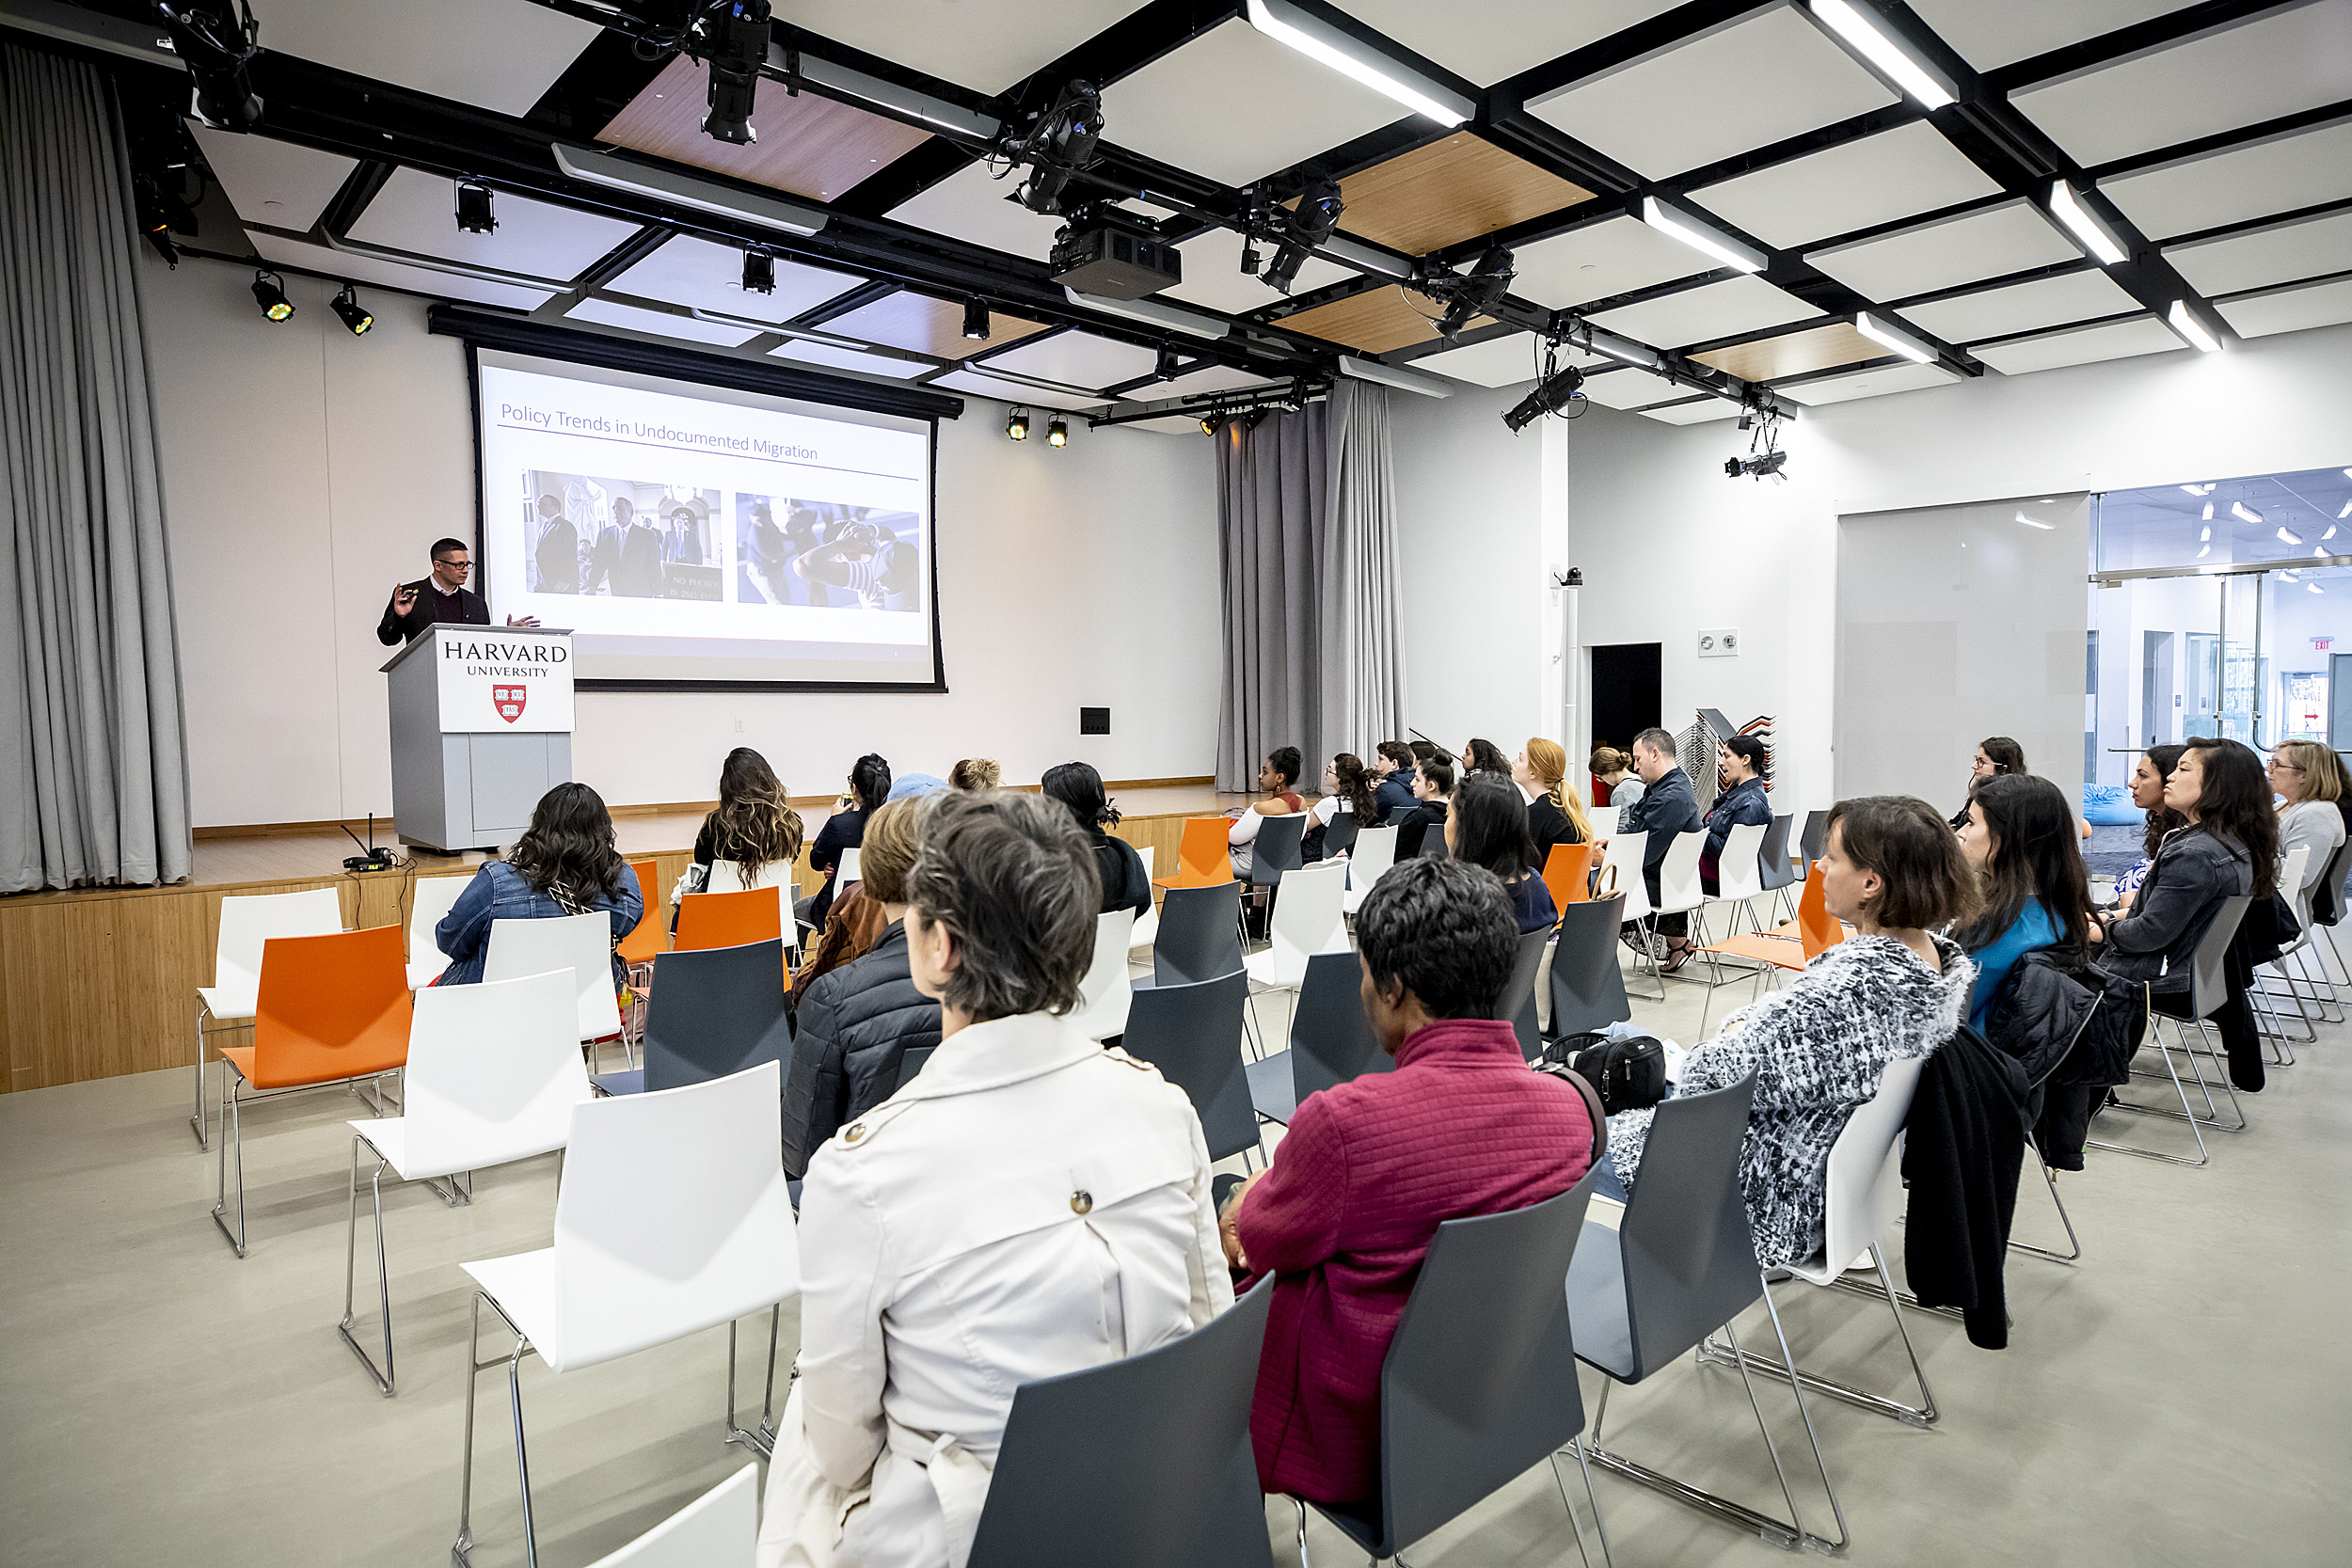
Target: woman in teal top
(2021, 838)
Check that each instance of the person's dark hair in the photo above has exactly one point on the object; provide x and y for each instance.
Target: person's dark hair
(1423, 749)
(1286, 762)
(2162, 819)
(1355, 785)
(2034, 856)
(442, 546)
(1485, 756)
(1440, 773)
(1491, 826)
(1077, 785)
(567, 852)
(1443, 929)
(2233, 803)
(1928, 881)
(1012, 878)
(1660, 741)
(753, 818)
(1751, 749)
(1397, 753)
(869, 781)
(2005, 754)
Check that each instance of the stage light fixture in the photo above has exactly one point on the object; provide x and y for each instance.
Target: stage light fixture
(1058, 144)
(353, 314)
(1057, 432)
(1702, 237)
(976, 320)
(1017, 424)
(1320, 207)
(734, 45)
(1553, 395)
(1871, 37)
(1901, 343)
(1477, 294)
(269, 293)
(1208, 424)
(1164, 367)
(2088, 230)
(474, 208)
(1318, 39)
(759, 272)
(215, 39)
(2192, 331)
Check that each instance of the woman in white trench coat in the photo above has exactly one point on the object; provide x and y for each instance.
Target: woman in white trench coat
(1030, 1205)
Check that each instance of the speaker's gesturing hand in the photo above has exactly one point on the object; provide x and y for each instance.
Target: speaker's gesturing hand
(404, 598)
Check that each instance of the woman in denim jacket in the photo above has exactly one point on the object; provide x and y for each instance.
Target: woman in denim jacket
(564, 863)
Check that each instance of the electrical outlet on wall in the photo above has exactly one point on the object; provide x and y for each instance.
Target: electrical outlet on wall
(1721, 643)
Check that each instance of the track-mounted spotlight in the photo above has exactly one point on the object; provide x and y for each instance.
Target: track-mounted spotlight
(474, 208)
(1208, 424)
(759, 271)
(1057, 432)
(1553, 395)
(1058, 144)
(215, 39)
(735, 46)
(1164, 367)
(269, 293)
(351, 312)
(976, 320)
(1017, 424)
(1475, 295)
(1317, 216)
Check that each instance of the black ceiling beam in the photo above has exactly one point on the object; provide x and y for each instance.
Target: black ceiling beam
(1510, 95)
(366, 180)
(2106, 48)
(2245, 136)
(624, 256)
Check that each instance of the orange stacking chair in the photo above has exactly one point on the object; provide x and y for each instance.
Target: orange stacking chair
(638, 948)
(1790, 945)
(730, 920)
(331, 1009)
(1568, 872)
(1205, 858)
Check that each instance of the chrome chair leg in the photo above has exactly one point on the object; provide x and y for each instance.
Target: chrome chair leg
(1601, 1528)
(1838, 1547)
(760, 1440)
(231, 1134)
(461, 1552)
(383, 1376)
(2049, 1179)
(1922, 1415)
(200, 1121)
(2203, 1154)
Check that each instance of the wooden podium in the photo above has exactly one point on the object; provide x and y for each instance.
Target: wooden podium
(482, 728)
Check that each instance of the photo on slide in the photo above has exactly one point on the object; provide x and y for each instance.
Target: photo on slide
(825, 553)
(629, 538)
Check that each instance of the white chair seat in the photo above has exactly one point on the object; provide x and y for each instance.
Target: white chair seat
(388, 1137)
(1146, 927)
(529, 1291)
(230, 1002)
(423, 972)
(1267, 969)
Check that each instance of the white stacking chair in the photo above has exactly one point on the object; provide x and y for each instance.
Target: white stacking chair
(1309, 917)
(727, 877)
(673, 1217)
(2261, 995)
(1105, 992)
(1147, 922)
(849, 870)
(580, 943)
(1740, 874)
(234, 995)
(1604, 820)
(429, 899)
(1370, 859)
(493, 1075)
(717, 1529)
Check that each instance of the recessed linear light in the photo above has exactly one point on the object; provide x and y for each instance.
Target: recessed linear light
(2209, 511)
(1867, 33)
(2330, 533)
(2068, 209)
(2348, 508)
(2204, 551)
(684, 190)
(2288, 575)
(2245, 514)
(2032, 523)
(1702, 237)
(2287, 536)
(1318, 39)
(1901, 343)
(2204, 535)
(2318, 554)
(1624, 350)
(2314, 588)
(2197, 490)
(2192, 331)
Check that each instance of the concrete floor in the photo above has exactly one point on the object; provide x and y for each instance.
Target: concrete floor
(2182, 1396)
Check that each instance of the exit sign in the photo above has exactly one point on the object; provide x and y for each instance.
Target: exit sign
(2321, 644)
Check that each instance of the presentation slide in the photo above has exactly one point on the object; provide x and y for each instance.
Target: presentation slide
(702, 535)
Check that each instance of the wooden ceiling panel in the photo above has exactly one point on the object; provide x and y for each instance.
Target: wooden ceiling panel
(921, 324)
(1816, 348)
(1376, 321)
(1451, 190)
(807, 145)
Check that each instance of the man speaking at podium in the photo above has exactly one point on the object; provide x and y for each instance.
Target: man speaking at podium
(443, 598)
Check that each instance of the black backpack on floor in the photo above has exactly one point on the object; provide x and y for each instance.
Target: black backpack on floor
(1629, 1071)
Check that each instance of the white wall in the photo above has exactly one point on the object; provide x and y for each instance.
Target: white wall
(307, 471)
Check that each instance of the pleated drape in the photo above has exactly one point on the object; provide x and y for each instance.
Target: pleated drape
(94, 777)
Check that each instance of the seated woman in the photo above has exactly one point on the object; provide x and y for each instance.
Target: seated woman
(1483, 757)
(1486, 825)
(564, 863)
(1347, 787)
(1615, 784)
(1125, 884)
(1368, 1170)
(1740, 765)
(1554, 813)
(2149, 777)
(974, 773)
(2021, 839)
(1032, 1204)
(1278, 795)
(869, 790)
(1819, 1049)
(2307, 779)
(1996, 757)
(755, 826)
(856, 1022)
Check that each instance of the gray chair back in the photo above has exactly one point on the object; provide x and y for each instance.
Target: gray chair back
(2329, 910)
(1192, 1034)
(1815, 842)
(1331, 1040)
(1275, 850)
(1773, 866)
(911, 1062)
(1199, 935)
(1340, 833)
(1518, 993)
(1587, 986)
(1144, 1462)
(715, 1012)
(2209, 977)
(1433, 844)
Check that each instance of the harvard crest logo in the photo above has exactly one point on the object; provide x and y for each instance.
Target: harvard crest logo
(509, 701)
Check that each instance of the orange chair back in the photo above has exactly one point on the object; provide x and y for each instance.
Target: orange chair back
(330, 1006)
(1205, 858)
(1816, 928)
(730, 920)
(1568, 872)
(645, 939)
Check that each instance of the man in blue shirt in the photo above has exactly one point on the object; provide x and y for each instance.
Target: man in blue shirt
(1665, 809)
(1393, 764)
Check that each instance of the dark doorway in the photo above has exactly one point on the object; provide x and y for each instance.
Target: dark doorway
(1625, 691)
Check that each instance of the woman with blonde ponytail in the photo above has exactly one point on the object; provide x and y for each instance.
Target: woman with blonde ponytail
(1555, 813)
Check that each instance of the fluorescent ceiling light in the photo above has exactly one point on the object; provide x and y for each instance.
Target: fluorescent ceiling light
(1700, 236)
(2287, 577)
(2346, 512)
(1318, 39)
(1153, 312)
(2318, 554)
(2190, 328)
(1624, 350)
(1867, 34)
(684, 190)
(2032, 523)
(2209, 511)
(2288, 537)
(2330, 533)
(1901, 343)
(1388, 376)
(2088, 230)
(1341, 248)
(890, 95)
(2203, 535)
(2314, 588)
(2197, 490)
(2244, 513)
(2205, 552)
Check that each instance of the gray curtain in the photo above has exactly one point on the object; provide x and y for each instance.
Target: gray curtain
(1314, 611)
(95, 787)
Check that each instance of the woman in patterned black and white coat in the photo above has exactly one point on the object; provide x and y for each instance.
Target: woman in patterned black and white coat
(1819, 1049)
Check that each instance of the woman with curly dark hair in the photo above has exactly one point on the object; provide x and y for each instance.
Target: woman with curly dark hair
(755, 826)
(566, 863)
(1347, 787)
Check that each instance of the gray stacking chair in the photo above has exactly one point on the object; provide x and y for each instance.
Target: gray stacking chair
(1192, 1034)
(715, 1011)
(2209, 988)
(1199, 935)
(1145, 1462)
(1433, 844)
(910, 1063)
(1815, 840)
(1587, 986)
(1776, 871)
(1331, 1041)
(1518, 992)
(1338, 834)
(1480, 1381)
(1275, 850)
(1681, 1266)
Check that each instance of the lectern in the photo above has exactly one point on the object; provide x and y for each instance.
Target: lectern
(482, 728)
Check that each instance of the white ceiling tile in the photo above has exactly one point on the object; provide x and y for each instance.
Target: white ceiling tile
(1628, 388)
(417, 212)
(2281, 174)
(2279, 254)
(1076, 360)
(986, 46)
(499, 55)
(708, 277)
(1234, 104)
(1485, 40)
(1703, 411)
(2081, 345)
(1866, 182)
(659, 323)
(1872, 382)
(2021, 307)
(1710, 311)
(1988, 34)
(1741, 86)
(970, 206)
(1498, 362)
(2289, 310)
(1212, 274)
(274, 182)
(2254, 70)
(848, 360)
(1215, 378)
(1602, 259)
(392, 274)
(1015, 393)
(2012, 237)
